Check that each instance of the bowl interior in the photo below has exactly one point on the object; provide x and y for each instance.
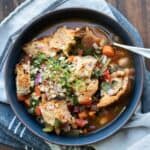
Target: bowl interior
(52, 20)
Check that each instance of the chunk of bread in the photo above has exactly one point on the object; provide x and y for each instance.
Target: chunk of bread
(39, 46)
(56, 109)
(107, 99)
(23, 77)
(83, 66)
(85, 93)
(62, 39)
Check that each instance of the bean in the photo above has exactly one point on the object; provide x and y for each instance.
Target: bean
(124, 62)
(129, 71)
(103, 120)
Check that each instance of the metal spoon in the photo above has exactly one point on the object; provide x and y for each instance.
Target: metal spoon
(138, 50)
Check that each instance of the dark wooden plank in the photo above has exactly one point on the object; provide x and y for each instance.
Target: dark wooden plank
(4, 147)
(7, 6)
(137, 12)
(113, 2)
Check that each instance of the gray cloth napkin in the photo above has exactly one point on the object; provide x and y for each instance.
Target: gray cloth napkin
(127, 138)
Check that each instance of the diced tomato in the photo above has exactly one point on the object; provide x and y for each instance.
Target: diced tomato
(21, 97)
(107, 75)
(98, 64)
(83, 115)
(37, 111)
(37, 91)
(81, 122)
(27, 102)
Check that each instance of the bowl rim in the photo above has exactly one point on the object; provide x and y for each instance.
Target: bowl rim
(40, 17)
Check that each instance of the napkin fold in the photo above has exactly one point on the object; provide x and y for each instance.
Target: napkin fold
(126, 139)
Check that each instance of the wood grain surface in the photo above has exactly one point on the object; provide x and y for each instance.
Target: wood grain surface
(137, 11)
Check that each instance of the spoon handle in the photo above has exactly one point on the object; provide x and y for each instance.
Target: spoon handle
(138, 50)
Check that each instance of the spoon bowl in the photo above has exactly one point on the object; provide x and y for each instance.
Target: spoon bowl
(138, 50)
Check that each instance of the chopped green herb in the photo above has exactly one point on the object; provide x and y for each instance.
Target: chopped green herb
(114, 84)
(39, 59)
(74, 100)
(89, 51)
(96, 73)
(57, 123)
(79, 84)
(48, 128)
(34, 102)
(106, 86)
(31, 110)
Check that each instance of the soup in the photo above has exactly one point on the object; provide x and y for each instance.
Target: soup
(73, 81)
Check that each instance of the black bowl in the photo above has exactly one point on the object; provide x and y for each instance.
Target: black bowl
(44, 22)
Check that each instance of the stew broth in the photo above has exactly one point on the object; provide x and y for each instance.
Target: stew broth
(96, 117)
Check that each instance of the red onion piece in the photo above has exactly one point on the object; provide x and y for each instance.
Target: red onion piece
(38, 79)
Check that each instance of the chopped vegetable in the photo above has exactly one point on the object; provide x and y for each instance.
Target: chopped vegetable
(70, 58)
(27, 102)
(37, 111)
(103, 120)
(57, 123)
(74, 132)
(48, 128)
(21, 97)
(38, 79)
(89, 51)
(85, 101)
(107, 75)
(108, 51)
(92, 113)
(67, 79)
(106, 86)
(31, 110)
(81, 123)
(37, 91)
(92, 127)
(83, 115)
(39, 59)
(96, 73)
(73, 99)
(124, 62)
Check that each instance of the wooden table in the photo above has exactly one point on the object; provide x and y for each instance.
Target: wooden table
(137, 11)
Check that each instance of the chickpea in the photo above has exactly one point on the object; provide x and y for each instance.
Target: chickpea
(129, 71)
(118, 73)
(124, 62)
(103, 120)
